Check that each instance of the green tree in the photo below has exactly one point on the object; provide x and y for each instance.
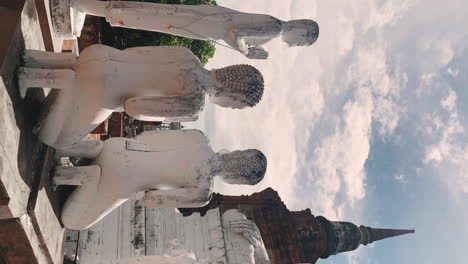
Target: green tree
(128, 38)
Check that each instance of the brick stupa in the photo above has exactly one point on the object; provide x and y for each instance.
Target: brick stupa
(297, 236)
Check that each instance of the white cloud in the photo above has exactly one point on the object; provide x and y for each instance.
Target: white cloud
(448, 153)
(377, 64)
(292, 101)
(365, 97)
(401, 178)
(317, 114)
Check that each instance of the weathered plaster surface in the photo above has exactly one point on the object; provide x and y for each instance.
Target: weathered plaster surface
(132, 231)
(154, 260)
(129, 235)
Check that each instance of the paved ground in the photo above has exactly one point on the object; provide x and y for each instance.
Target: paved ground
(17, 116)
(29, 228)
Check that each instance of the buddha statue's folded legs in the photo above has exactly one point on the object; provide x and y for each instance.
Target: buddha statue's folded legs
(89, 149)
(74, 106)
(48, 60)
(51, 78)
(46, 69)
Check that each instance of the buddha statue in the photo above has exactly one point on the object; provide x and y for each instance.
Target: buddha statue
(243, 32)
(175, 168)
(148, 83)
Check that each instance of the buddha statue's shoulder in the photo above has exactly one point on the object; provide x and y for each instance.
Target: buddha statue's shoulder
(258, 24)
(209, 9)
(161, 51)
(192, 103)
(195, 134)
(257, 18)
(169, 9)
(180, 55)
(163, 55)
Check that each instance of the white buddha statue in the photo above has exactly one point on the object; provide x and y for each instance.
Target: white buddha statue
(148, 83)
(243, 241)
(176, 168)
(243, 32)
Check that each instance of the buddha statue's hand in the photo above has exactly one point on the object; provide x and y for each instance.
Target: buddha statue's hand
(257, 53)
(251, 233)
(249, 230)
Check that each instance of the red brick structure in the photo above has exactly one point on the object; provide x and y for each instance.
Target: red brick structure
(296, 236)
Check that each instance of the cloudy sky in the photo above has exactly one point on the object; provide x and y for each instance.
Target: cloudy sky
(368, 125)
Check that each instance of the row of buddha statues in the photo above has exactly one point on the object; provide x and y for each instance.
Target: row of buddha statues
(174, 168)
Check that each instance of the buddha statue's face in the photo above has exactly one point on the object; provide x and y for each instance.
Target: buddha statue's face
(300, 32)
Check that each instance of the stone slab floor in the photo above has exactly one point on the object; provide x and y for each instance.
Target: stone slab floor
(30, 231)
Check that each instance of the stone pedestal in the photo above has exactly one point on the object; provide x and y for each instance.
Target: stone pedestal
(66, 22)
(133, 231)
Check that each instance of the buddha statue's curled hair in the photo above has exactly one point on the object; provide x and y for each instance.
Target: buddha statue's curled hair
(243, 167)
(242, 83)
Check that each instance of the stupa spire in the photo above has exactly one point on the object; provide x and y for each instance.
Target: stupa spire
(345, 236)
(376, 234)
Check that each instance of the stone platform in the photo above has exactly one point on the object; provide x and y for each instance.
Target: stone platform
(132, 231)
(30, 231)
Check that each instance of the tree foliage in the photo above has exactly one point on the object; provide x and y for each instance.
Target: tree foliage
(128, 38)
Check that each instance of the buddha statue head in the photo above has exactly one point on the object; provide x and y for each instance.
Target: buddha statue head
(237, 86)
(302, 32)
(242, 167)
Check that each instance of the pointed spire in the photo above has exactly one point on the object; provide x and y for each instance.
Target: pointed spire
(344, 236)
(376, 234)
